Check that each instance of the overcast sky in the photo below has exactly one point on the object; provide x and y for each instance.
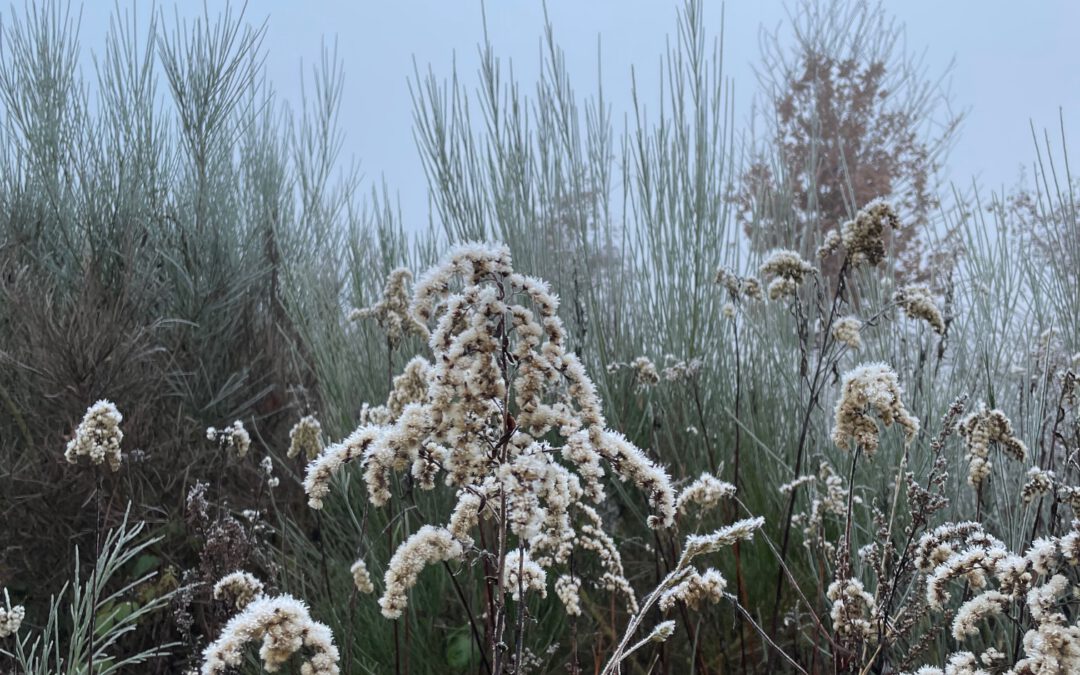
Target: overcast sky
(1015, 62)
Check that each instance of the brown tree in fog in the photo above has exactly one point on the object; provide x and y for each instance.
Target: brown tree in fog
(850, 118)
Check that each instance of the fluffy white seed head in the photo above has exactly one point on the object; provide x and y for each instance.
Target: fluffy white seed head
(98, 436)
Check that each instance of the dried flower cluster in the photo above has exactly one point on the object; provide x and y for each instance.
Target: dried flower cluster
(828, 497)
(918, 303)
(98, 436)
(238, 589)
(852, 608)
(864, 237)
(267, 466)
(10, 617)
(645, 373)
(846, 331)
(234, 437)
(695, 590)
(361, 578)
(704, 494)
(1039, 484)
(872, 386)
(680, 370)
(739, 288)
(568, 588)
(1000, 582)
(684, 584)
(391, 312)
(981, 428)
(305, 438)
(521, 573)
(483, 416)
(787, 271)
(285, 628)
(426, 546)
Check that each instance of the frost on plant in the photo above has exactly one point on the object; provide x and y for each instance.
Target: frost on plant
(305, 438)
(361, 578)
(233, 438)
(238, 589)
(506, 416)
(786, 271)
(703, 495)
(391, 312)
(865, 236)
(98, 436)
(981, 428)
(10, 617)
(997, 584)
(870, 387)
(846, 331)
(918, 303)
(285, 628)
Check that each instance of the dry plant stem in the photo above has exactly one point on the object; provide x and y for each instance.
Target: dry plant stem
(501, 450)
(92, 628)
(1046, 463)
(850, 508)
(794, 582)
(815, 393)
(704, 428)
(479, 639)
(765, 636)
(322, 554)
(520, 611)
(354, 595)
(740, 583)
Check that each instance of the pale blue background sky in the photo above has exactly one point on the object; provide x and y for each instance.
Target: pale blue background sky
(1015, 62)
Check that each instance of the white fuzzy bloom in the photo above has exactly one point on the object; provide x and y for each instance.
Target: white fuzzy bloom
(1041, 599)
(285, 628)
(788, 488)
(10, 617)
(697, 544)
(98, 436)
(234, 437)
(705, 493)
(786, 265)
(972, 564)
(238, 589)
(872, 386)
(391, 312)
(322, 469)
(521, 574)
(645, 372)
(568, 588)
(507, 416)
(979, 429)
(851, 609)
(864, 237)
(830, 244)
(1039, 484)
(465, 517)
(662, 632)
(427, 545)
(305, 438)
(918, 303)
(695, 590)
(1043, 555)
(846, 331)
(631, 464)
(1070, 546)
(267, 466)
(978, 608)
(361, 578)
